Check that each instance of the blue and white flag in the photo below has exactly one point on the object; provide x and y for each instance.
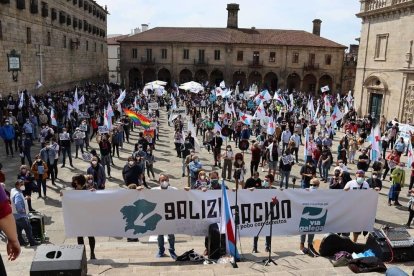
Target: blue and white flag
(227, 224)
(53, 118)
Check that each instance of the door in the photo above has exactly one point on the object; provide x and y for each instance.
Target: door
(376, 105)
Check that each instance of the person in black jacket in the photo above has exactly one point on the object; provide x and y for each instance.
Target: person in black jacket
(65, 146)
(216, 143)
(185, 151)
(132, 173)
(375, 182)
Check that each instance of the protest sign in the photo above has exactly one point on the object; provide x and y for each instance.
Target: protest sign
(64, 136)
(153, 106)
(103, 129)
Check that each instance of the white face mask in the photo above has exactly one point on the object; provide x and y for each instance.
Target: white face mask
(239, 162)
(203, 177)
(94, 162)
(22, 188)
(90, 181)
(131, 163)
(164, 185)
(313, 187)
(374, 176)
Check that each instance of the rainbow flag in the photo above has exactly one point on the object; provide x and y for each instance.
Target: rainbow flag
(138, 118)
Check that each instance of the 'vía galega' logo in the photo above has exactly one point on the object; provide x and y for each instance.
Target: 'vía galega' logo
(313, 219)
(140, 217)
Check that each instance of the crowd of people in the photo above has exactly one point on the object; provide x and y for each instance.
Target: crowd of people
(287, 133)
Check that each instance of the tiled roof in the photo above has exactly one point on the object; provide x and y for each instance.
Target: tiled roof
(232, 36)
(114, 40)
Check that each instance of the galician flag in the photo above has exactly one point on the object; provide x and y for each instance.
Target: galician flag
(81, 100)
(227, 224)
(246, 119)
(260, 112)
(270, 126)
(410, 159)
(305, 148)
(336, 115)
(375, 139)
(109, 111)
(121, 97)
(76, 101)
(328, 104)
(53, 117)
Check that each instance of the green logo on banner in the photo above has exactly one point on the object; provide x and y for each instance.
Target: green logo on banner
(140, 217)
(313, 219)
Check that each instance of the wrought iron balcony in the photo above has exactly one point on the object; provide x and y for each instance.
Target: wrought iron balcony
(147, 61)
(200, 62)
(255, 64)
(311, 66)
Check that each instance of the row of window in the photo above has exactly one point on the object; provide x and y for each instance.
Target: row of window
(34, 7)
(240, 56)
(48, 42)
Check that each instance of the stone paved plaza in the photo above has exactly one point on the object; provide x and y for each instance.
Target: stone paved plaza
(117, 257)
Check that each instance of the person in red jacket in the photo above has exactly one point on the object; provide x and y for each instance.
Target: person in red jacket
(94, 126)
(8, 226)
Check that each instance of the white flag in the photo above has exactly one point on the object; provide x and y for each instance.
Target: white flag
(81, 100)
(21, 101)
(325, 89)
(33, 101)
(38, 84)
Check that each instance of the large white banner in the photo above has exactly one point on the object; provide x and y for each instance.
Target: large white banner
(132, 213)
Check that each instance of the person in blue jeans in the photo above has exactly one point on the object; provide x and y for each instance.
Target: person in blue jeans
(285, 166)
(19, 212)
(165, 186)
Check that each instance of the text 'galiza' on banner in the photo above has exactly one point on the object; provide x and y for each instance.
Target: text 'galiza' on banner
(132, 213)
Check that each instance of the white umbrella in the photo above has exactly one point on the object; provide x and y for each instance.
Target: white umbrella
(157, 82)
(192, 86)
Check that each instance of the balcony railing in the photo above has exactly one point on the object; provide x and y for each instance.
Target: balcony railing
(200, 62)
(255, 64)
(147, 61)
(371, 5)
(310, 66)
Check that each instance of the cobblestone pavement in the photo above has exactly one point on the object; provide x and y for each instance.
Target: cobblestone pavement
(117, 257)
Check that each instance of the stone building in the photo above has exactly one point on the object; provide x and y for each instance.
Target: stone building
(273, 58)
(114, 58)
(385, 73)
(60, 43)
(349, 69)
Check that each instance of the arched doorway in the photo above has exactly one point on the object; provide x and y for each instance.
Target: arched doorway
(240, 77)
(255, 78)
(326, 80)
(216, 77)
(293, 82)
(375, 96)
(164, 75)
(149, 75)
(185, 76)
(135, 78)
(309, 84)
(201, 76)
(271, 81)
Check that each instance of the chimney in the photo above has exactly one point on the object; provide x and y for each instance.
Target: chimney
(317, 27)
(144, 27)
(232, 18)
(137, 31)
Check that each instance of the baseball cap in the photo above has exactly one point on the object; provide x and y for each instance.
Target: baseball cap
(360, 172)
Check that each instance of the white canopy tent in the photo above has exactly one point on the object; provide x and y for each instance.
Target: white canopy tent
(192, 86)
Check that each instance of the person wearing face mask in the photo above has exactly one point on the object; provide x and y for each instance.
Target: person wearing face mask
(313, 186)
(132, 173)
(105, 150)
(65, 146)
(7, 133)
(336, 182)
(217, 143)
(358, 184)
(164, 181)
(40, 171)
(239, 169)
(28, 129)
(202, 182)
(149, 164)
(20, 214)
(25, 146)
(375, 182)
(98, 173)
(308, 171)
(253, 182)
(228, 157)
(398, 179)
(25, 175)
(285, 166)
(195, 167)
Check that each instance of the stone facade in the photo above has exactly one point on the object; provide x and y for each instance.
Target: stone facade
(54, 43)
(385, 73)
(114, 58)
(349, 69)
(295, 60)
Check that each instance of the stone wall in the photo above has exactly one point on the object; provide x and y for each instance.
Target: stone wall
(388, 73)
(63, 64)
(228, 63)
